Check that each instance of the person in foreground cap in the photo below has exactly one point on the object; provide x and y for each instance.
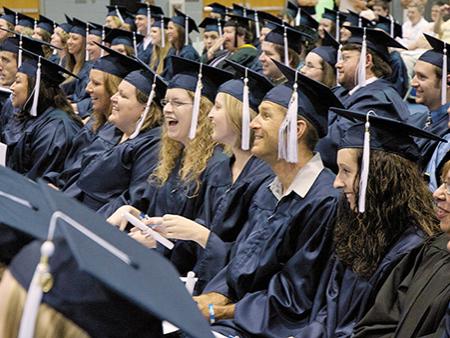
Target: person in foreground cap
(425, 275)
(90, 269)
(160, 43)
(363, 85)
(59, 39)
(136, 112)
(49, 120)
(292, 216)
(178, 30)
(43, 31)
(229, 190)
(187, 151)
(212, 37)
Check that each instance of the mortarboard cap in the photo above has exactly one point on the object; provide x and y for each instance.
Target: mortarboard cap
(212, 24)
(96, 29)
(9, 16)
(115, 10)
(269, 19)
(243, 11)
(66, 26)
(144, 9)
(294, 37)
(160, 19)
(302, 17)
(215, 7)
(123, 285)
(357, 20)
(12, 44)
(333, 15)
(329, 49)
(118, 36)
(129, 19)
(25, 20)
(182, 19)
(115, 63)
(46, 24)
(390, 26)
(79, 27)
(377, 40)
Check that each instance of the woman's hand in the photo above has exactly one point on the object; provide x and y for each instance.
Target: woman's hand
(143, 238)
(218, 300)
(179, 227)
(117, 219)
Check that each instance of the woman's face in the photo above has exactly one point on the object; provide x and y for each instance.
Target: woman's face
(222, 130)
(120, 48)
(19, 90)
(126, 109)
(325, 25)
(110, 22)
(155, 34)
(38, 34)
(3, 34)
(313, 67)
(177, 114)
(75, 43)
(94, 51)
(172, 33)
(442, 199)
(347, 161)
(96, 89)
(56, 38)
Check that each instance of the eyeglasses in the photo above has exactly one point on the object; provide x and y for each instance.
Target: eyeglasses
(310, 66)
(174, 103)
(446, 186)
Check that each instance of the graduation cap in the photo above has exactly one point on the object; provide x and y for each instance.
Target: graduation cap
(215, 7)
(303, 96)
(25, 20)
(162, 23)
(212, 25)
(38, 67)
(269, 20)
(13, 44)
(115, 10)
(186, 22)
(357, 20)
(287, 37)
(390, 26)
(329, 49)
(379, 133)
(115, 63)
(149, 11)
(149, 83)
(79, 27)
(96, 29)
(250, 89)
(66, 26)
(438, 56)
(243, 11)
(302, 17)
(336, 16)
(9, 16)
(116, 36)
(129, 19)
(199, 78)
(131, 285)
(46, 24)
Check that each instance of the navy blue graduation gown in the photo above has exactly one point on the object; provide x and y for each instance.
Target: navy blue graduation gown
(187, 52)
(6, 113)
(446, 323)
(224, 211)
(40, 144)
(81, 298)
(118, 170)
(275, 231)
(379, 96)
(86, 145)
(144, 54)
(4, 96)
(76, 89)
(415, 296)
(399, 76)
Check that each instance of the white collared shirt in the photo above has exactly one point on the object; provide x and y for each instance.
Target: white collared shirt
(368, 81)
(302, 182)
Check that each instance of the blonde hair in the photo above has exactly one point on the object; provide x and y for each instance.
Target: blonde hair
(154, 115)
(72, 64)
(49, 323)
(233, 107)
(195, 155)
(158, 56)
(117, 21)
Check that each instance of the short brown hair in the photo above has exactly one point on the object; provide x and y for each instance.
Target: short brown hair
(294, 57)
(380, 68)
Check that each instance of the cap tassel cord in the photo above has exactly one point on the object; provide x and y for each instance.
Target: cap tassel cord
(339, 59)
(119, 15)
(391, 28)
(245, 142)
(219, 26)
(145, 113)
(258, 31)
(163, 38)
(19, 58)
(36, 90)
(148, 20)
(35, 24)
(86, 53)
(196, 105)
(102, 52)
(364, 166)
(135, 44)
(444, 77)
(338, 27)
(286, 47)
(362, 62)
(298, 17)
(287, 135)
(359, 21)
(186, 31)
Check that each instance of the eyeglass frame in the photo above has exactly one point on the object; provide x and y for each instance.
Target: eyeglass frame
(174, 103)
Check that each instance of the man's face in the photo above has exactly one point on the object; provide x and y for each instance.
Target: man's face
(427, 85)
(347, 68)
(8, 68)
(268, 66)
(229, 38)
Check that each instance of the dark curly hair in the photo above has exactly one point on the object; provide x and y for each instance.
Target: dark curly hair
(397, 198)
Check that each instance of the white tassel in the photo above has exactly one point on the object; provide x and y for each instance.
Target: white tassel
(86, 55)
(37, 87)
(362, 62)
(163, 37)
(19, 58)
(35, 24)
(360, 21)
(245, 142)
(364, 167)
(191, 280)
(444, 77)
(244, 12)
(392, 26)
(298, 17)
(287, 135)
(286, 47)
(196, 105)
(102, 52)
(40, 283)
(219, 26)
(148, 20)
(338, 59)
(186, 31)
(145, 113)
(135, 44)
(16, 20)
(258, 31)
(119, 15)
(338, 27)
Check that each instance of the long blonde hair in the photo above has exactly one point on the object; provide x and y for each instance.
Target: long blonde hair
(195, 155)
(158, 56)
(49, 323)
